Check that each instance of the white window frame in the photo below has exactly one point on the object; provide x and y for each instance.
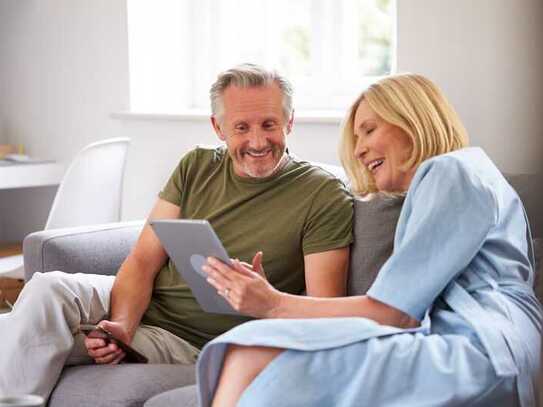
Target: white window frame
(174, 41)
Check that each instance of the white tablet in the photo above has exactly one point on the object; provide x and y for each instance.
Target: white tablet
(189, 243)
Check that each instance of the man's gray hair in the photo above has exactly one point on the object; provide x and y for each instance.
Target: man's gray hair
(248, 76)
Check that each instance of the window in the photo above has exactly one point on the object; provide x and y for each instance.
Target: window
(329, 49)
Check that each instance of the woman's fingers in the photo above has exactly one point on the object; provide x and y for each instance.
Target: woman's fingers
(237, 283)
(225, 274)
(216, 278)
(241, 269)
(257, 264)
(228, 292)
(219, 286)
(215, 266)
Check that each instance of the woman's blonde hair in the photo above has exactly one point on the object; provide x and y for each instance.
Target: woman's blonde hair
(417, 106)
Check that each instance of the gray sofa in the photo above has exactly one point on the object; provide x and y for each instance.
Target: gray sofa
(101, 249)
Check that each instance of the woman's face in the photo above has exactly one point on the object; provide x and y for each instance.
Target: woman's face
(382, 148)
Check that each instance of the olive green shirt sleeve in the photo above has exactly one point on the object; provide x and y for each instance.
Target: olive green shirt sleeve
(174, 187)
(329, 222)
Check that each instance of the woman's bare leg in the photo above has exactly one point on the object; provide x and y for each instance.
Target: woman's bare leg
(241, 365)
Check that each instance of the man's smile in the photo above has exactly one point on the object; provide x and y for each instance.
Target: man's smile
(258, 154)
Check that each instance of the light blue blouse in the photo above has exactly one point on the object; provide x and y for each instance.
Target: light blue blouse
(462, 264)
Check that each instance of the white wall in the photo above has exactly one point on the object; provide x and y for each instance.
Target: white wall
(63, 65)
(63, 69)
(487, 57)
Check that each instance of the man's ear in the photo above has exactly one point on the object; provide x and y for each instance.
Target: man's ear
(217, 127)
(290, 122)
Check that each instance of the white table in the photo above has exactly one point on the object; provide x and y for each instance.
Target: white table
(26, 194)
(27, 175)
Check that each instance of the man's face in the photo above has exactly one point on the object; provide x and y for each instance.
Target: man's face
(254, 129)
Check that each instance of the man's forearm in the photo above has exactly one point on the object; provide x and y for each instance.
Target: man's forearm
(131, 294)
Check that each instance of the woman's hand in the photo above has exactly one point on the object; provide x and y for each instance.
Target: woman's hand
(244, 286)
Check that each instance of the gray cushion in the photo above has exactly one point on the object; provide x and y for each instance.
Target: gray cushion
(529, 187)
(122, 385)
(183, 397)
(374, 226)
(96, 249)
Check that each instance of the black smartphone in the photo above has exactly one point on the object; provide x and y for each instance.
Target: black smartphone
(95, 331)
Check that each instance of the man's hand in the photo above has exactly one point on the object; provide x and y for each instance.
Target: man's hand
(104, 352)
(244, 286)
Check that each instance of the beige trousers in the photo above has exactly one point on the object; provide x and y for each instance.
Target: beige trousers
(40, 335)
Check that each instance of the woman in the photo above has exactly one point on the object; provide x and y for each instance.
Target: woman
(451, 318)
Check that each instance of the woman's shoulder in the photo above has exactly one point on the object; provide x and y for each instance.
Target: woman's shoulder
(467, 166)
(471, 159)
(465, 177)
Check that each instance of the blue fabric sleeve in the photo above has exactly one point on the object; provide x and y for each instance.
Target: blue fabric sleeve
(446, 217)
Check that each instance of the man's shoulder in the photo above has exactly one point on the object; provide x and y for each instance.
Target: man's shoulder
(320, 172)
(202, 157)
(206, 152)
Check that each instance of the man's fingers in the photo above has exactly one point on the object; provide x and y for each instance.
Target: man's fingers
(93, 343)
(103, 351)
(108, 358)
(118, 359)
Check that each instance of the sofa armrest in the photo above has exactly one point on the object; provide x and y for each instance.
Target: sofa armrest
(97, 249)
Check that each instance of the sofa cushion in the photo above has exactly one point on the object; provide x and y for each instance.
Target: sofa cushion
(374, 226)
(183, 397)
(528, 188)
(128, 385)
(94, 249)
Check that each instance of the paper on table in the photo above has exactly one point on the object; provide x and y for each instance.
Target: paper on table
(29, 161)
(12, 267)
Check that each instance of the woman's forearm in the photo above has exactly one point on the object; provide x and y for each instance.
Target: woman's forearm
(294, 306)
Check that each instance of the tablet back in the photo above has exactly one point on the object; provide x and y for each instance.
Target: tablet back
(189, 243)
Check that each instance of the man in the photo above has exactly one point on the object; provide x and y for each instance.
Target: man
(256, 196)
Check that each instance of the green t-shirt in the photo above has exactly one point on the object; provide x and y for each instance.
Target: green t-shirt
(302, 209)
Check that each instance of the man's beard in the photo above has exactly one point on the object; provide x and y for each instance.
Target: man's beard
(256, 171)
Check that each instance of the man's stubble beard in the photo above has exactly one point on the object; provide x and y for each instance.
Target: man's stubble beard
(248, 169)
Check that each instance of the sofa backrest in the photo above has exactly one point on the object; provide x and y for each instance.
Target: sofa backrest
(375, 222)
(529, 187)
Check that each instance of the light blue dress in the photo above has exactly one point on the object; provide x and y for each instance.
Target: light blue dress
(463, 264)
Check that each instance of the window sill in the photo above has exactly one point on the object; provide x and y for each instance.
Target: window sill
(308, 116)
